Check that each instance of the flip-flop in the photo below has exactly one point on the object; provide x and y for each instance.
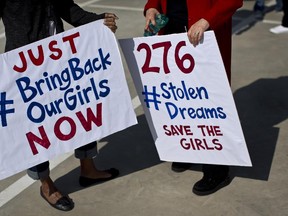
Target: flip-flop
(63, 204)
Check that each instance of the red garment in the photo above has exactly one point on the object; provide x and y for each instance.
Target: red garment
(218, 13)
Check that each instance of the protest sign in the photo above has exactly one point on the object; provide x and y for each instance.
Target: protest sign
(187, 99)
(61, 93)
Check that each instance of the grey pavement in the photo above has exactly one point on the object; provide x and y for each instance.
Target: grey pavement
(147, 186)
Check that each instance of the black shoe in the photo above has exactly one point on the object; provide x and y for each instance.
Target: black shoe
(63, 204)
(180, 167)
(209, 185)
(86, 182)
(259, 12)
(259, 15)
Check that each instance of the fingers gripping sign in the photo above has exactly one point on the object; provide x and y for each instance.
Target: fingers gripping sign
(110, 21)
(196, 31)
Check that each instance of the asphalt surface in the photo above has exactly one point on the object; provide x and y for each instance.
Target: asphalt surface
(147, 186)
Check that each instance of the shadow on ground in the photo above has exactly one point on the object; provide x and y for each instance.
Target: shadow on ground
(244, 19)
(262, 105)
(129, 151)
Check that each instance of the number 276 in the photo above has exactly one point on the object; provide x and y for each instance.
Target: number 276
(166, 45)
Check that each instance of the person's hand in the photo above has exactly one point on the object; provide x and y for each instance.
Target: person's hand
(110, 21)
(196, 31)
(150, 17)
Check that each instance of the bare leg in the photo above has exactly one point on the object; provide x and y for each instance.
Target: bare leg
(89, 170)
(49, 190)
(91, 175)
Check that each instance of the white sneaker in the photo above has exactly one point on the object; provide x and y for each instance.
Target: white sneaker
(279, 29)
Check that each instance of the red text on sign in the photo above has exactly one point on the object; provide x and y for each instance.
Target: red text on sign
(176, 130)
(200, 144)
(166, 45)
(38, 59)
(86, 123)
(210, 130)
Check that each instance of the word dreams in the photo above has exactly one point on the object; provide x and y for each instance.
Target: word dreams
(86, 123)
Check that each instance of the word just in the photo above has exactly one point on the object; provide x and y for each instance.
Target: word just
(68, 43)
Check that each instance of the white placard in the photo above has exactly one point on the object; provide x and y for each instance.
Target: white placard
(187, 99)
(61, 93)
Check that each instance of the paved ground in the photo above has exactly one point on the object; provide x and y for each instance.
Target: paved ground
(147, 186)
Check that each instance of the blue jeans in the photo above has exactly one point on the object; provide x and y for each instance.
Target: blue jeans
(260, 5)
(279, 5)
(42, 171)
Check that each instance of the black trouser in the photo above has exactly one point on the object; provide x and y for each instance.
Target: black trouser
(285, 17)
(215, 171)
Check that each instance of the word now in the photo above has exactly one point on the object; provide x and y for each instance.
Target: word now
(38, 59)
(86, 123)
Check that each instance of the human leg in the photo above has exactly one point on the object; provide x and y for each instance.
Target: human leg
(259, 9)
(285, 15)
(283, 28)
(259, 5)
(180, 167)
(48, 190)
(89, 173)
(279, 5)
(40, 171)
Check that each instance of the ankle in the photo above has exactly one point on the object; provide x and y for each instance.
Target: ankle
(47, 186)
(87, 167)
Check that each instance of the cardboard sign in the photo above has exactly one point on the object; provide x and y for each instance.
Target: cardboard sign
(187, 99)
(61, 93)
